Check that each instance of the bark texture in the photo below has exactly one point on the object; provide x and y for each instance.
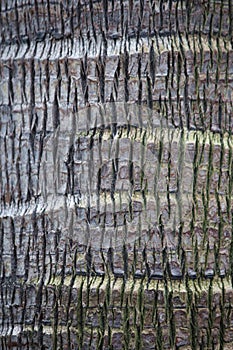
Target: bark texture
(83, 84)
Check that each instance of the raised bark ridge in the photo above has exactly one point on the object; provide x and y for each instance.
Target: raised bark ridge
(171, 287)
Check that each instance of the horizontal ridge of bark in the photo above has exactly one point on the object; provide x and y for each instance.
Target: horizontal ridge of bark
(35, 20)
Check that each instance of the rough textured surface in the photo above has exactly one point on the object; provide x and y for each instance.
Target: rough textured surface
(116, 232)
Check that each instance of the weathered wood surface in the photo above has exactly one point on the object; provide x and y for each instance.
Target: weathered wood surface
(99, 247)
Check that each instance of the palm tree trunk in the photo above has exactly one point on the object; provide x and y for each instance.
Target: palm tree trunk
(116, 174)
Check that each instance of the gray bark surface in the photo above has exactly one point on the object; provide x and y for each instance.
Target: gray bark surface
(99, 248)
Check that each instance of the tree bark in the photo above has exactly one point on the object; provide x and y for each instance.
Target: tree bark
(116, 174)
